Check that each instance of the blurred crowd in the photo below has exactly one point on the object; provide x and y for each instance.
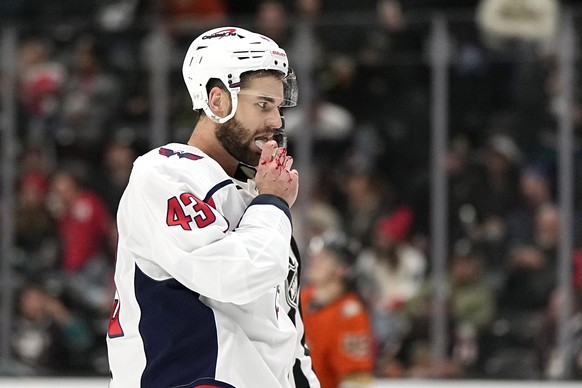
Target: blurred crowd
(84, 113)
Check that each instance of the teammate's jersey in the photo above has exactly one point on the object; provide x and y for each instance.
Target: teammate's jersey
(339, 336)
(207, 283)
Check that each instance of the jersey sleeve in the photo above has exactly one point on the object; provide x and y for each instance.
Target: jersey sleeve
(170, 227)
(303, 372)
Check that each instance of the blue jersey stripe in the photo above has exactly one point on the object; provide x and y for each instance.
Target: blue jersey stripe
(217, 187)
(179, 333)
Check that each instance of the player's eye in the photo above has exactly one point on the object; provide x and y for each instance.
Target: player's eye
(266, 106)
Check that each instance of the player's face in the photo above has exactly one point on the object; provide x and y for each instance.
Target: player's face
(256, 119)
(324, 268)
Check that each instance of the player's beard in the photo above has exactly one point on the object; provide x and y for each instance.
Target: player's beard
(236, 140)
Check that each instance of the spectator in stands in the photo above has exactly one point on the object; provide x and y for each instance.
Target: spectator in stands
(497, 189)
(40, 85)
(461, 181)
(35, 227)
(91, 101)
(530, 280)
(389, 274)
(471, 310)
(546, 234)
(86, 231)
(392, 87)
(36, 237)
(196, 13)
(309, 8)
(522, 302)
(272, 19)
(551, 362)
(48, 338)
(116, 165)
(337, 325)
(365, 198)
(535, 190)
(460, 171)
(494, 195)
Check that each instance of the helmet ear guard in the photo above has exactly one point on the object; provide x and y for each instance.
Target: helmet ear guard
(216, 118)
(225, 54)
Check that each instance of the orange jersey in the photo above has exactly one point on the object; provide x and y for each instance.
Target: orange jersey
(339, 337)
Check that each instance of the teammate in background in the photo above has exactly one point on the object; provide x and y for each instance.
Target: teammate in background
(207, 271)
(337, 325)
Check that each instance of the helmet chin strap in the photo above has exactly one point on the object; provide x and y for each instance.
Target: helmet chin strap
(221, 120)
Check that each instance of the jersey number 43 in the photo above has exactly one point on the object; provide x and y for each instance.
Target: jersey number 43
(177, 215)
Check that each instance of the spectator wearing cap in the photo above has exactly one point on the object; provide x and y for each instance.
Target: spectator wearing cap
(389, 273)
(35, 227)
(337, 324)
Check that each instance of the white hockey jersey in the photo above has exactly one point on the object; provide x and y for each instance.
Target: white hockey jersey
(207, 282)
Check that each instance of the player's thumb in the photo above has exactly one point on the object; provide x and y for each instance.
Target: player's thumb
(268, 151)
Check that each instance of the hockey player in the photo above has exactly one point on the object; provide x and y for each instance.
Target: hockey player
(207, 272)
(337, 323)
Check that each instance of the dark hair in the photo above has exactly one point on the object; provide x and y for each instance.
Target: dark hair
(248, 76)
(215, 82)
(245, 78)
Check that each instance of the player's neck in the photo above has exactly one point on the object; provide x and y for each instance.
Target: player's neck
(207, 143)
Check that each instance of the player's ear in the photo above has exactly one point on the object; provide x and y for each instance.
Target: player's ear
(219, 101)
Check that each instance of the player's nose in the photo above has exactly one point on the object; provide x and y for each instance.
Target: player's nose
(274, 120)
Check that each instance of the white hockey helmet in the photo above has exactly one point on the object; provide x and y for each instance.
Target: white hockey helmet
(227, 52)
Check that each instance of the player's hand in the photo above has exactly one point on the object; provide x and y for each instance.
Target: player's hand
(274, 173)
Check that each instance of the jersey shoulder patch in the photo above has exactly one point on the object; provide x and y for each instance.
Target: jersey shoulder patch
(167, 152)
